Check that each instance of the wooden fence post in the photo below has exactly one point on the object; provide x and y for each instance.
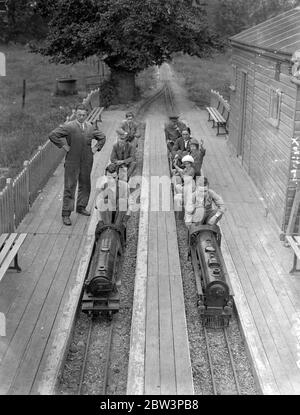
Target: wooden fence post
(24, 93)
(11, 208)
(26, 169)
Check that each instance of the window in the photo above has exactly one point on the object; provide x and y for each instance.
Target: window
(277, 71)
(274, 107)
(233, 78)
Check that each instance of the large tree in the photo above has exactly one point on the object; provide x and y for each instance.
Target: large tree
(21, 22)
(129, 35)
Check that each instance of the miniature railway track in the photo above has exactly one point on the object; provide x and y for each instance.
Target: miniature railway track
(217, 389)
(106, 364)
(105, 381)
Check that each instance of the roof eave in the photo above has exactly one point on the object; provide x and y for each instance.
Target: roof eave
(278, 55)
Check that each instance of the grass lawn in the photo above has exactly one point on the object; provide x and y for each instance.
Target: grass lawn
(202, 75)
(21, 131)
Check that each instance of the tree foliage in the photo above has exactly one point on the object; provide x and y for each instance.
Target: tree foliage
(129, 35)
(21, 22)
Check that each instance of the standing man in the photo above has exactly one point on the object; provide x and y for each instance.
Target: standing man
(123, 154)
(75, 138)
(131, 128)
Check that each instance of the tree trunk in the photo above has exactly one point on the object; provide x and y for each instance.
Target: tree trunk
(124, 82)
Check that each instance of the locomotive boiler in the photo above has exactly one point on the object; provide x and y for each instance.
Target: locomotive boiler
(101, 286)
(214, 290)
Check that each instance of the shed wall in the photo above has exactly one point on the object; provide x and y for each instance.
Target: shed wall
(294, 168)
(267, 149)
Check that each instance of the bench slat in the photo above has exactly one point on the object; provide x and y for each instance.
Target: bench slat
(11, 254)
(294, 245)
(3, 236)
(95, 114)
(7, 247)
(216, 115)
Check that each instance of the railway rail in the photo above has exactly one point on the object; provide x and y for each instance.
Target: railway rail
(107, 353)
(212, 358)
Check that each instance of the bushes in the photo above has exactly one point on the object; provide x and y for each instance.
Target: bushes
(202, 75)
(108, 93)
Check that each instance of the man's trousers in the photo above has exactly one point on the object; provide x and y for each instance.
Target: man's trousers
(74, 174)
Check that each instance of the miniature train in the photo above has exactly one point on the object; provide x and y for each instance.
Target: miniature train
(215, 299)
(101, 293)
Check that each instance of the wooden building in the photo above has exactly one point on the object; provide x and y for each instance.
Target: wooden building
(264, 130)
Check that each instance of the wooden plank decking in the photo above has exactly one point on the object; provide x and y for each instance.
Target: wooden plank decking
(159, 333)
(266, 296)
(40, 303)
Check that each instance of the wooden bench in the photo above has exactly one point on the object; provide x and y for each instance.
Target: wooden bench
(95, 115)
(219, 114)
(294, 242)
(10, 244)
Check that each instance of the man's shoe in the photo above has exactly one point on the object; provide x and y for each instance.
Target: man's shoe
(66, 221)
(83, 211)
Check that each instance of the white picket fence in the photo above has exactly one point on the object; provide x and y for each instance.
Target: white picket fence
(20, 192)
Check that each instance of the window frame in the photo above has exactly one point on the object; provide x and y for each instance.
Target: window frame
(233, 81)
(275, 93)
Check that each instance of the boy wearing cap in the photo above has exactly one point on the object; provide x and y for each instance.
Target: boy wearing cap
(173, 130)
(131, 128)
(123, 153)
(203, 205)
(188, 169)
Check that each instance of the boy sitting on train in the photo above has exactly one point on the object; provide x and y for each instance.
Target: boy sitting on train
(197, 151)
(113, 195)
(182, 144)
(131, 128)
(181, 178)
(123, 154)
(200, 202)
(186, 170)
(173, 130)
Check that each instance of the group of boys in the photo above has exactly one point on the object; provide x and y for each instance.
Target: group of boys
(75, 137)
(186, 153)
(202, 204)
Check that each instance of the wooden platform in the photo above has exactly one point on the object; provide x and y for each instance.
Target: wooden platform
(159, 350)
(40, 303)
(266, 296)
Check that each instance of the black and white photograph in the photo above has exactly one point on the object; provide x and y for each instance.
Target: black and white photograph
(149, 201)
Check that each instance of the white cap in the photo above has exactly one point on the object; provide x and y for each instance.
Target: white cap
(187, 158)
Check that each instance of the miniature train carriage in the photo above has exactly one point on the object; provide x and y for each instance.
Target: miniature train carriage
(264, 130)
